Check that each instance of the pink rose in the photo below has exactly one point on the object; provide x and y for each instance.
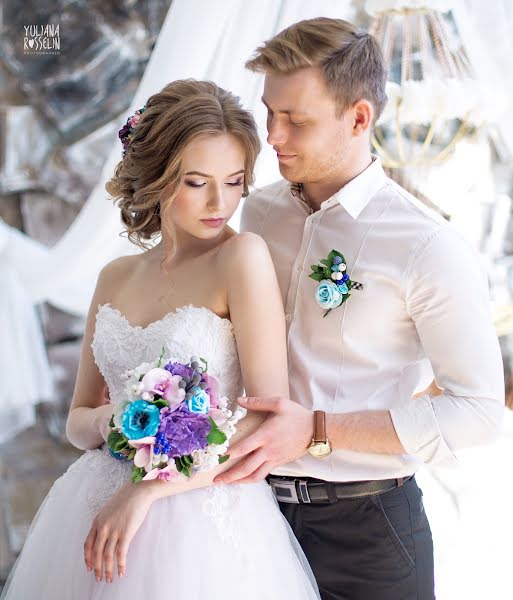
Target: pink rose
(135, 119)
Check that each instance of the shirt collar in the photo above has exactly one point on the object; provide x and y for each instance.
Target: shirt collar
(357, 193)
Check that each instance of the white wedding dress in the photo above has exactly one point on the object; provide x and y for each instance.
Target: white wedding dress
(222, 543)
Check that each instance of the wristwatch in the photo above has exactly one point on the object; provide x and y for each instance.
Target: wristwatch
(320, 445)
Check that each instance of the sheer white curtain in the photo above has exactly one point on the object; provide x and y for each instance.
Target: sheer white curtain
(486, 29)
(26, 376)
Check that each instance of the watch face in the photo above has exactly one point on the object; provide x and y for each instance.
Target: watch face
(320, 449)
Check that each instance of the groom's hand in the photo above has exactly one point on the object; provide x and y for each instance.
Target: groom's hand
(283, 437)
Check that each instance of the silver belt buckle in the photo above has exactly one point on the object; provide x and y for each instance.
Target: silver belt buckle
(285, 491)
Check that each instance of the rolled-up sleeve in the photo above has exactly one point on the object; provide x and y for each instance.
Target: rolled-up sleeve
(447, 298)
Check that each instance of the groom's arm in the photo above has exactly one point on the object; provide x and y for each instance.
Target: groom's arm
(446, 297)
(286, 435)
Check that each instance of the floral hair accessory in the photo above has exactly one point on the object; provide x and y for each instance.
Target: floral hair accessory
(126, 133)
(334, 282)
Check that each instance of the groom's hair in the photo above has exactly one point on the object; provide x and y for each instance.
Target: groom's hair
(350, 60)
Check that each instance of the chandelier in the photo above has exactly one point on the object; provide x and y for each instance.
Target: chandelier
(434, 100)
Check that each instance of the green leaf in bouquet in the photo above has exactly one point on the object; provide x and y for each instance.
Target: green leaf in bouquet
(327, 272)
(216, 436)
(120, 445)
(316, 268)
(326, 262)
(205, 362)
(115, 438)
(160, 403)
(111, 422)
(224, 458)
(181, 467)
(132, 454)
(137, 474)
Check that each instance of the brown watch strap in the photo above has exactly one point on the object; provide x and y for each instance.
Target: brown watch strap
(319, 426)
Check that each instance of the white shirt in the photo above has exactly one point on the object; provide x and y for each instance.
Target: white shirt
(423, 309)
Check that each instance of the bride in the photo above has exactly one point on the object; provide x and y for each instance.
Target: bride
(203, 290)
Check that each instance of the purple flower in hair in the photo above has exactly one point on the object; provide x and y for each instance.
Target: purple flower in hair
(125, 134)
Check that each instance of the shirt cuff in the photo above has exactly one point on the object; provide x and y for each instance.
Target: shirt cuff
(417, 428)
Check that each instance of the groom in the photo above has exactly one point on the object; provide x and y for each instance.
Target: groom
(344, 449)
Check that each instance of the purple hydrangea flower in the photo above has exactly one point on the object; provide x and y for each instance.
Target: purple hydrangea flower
(179, 369)
(183, 430)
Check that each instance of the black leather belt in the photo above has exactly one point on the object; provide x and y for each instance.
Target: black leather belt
(315, 491)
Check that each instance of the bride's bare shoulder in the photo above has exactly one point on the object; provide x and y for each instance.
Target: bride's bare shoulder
(243, 247)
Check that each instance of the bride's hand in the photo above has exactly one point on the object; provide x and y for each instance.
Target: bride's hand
(103, 417)
(114, 528)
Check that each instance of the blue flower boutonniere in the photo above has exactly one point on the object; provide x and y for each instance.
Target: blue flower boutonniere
(334, 282)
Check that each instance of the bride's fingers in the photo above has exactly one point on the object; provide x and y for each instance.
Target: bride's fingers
(121, 553)
(102, 535)
(245, 468)
(88, 547)
(258, 475)
(108, 556)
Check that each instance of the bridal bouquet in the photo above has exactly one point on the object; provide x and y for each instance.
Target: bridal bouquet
(172, 422)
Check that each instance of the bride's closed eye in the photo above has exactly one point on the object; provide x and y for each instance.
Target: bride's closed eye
(195, 184)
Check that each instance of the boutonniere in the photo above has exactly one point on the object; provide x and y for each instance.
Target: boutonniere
(334, 282)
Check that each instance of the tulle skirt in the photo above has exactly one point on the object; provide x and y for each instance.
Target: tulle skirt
(222, 543)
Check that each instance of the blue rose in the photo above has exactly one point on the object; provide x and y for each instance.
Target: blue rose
(200, 402)
(140, 419)
(343, 289)
(328, 295)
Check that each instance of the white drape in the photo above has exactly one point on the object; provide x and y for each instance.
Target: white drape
(26, 377)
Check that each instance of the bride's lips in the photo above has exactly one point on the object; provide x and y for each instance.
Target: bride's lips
(213, 222)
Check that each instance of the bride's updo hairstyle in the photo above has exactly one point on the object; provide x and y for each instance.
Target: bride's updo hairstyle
(151, 168)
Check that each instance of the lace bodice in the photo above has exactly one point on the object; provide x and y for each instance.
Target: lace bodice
(188, 331)
(117, 346)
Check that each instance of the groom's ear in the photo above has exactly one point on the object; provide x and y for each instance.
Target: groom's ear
(363, 115)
